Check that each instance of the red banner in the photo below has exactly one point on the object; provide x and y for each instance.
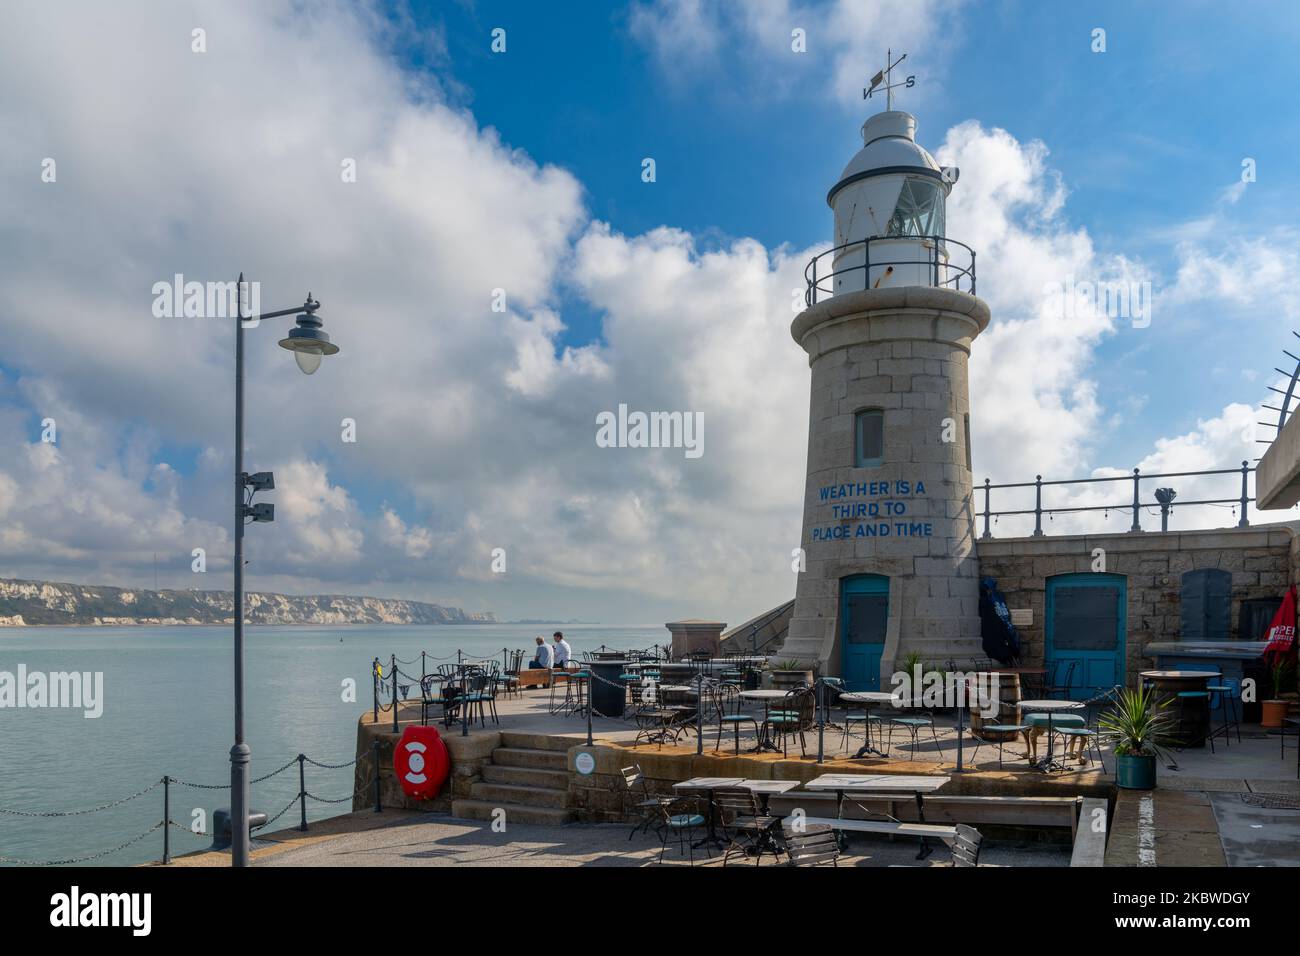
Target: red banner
(1281, 633)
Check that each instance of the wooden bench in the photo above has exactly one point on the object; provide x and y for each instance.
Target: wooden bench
(535, 677)
(938, 831)
(1023, 811)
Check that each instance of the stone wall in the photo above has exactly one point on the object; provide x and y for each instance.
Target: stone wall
(1263, 561)
(468, 755)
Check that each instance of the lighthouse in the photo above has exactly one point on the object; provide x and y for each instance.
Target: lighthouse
(888, 540)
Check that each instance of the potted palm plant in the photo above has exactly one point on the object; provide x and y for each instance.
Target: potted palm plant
(790, 673)
(1136, 725)
(1283, 673)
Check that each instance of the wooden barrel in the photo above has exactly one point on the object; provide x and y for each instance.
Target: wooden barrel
(1007, 687)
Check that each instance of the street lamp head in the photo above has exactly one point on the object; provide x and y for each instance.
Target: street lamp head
(307, 342)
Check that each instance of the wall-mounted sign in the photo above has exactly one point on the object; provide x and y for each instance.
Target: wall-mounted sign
(1022, 616)
(584, 763)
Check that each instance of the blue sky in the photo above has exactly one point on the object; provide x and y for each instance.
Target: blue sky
(522, 170)
(1145, 137)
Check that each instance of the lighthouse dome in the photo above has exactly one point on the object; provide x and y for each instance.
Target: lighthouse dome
(889, 146)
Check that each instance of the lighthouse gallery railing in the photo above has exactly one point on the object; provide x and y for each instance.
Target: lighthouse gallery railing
(820, 274)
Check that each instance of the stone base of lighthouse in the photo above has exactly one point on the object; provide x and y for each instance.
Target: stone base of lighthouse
(889, 547)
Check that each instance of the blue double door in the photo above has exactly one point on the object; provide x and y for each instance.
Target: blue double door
(1084, 631)
(864, 619)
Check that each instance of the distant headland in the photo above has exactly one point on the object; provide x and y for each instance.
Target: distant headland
(25, 603)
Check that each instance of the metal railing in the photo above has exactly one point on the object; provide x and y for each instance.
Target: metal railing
(1136, 505)
(1288, 396)
(820, 276)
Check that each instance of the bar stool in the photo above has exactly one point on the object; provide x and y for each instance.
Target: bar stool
(1226, 694)
(575, 692)
(1188, 698)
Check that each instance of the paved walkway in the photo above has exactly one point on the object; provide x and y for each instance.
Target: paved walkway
(440, 840)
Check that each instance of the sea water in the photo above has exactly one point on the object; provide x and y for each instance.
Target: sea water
(168, 708)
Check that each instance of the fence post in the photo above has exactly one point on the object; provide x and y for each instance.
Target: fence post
(379, 806)
(987, 533)
(1038, 506)
(699, 711)
(810, 296)
(1245, 471)
(972, 272)
(1137, 508)
(591, 686)
(423, 673)
(392, 676)
(167, 819)
(374, 689)
(821, 719)
(302, 789)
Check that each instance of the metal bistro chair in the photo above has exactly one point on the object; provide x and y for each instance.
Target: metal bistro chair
(1002, 731)
(913, 725)
(509, 679)
(649, 806)
(751, 831)
(1085, 737)
(680, 817)
(480, 693)
(792, 717)
(966, 848)
(815, 846)
(431, 695)
(1059, 685)
(729, 693)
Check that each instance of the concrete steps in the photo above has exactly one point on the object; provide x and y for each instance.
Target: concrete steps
(525, 776)
(539, 742)
(528, 779)
(503, 793)
(531, 758)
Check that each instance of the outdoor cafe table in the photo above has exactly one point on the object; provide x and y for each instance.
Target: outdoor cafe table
(876, 784)
(1049, 707)
(708, 785)
(766, 696)
(1168, 684)
(868, 698)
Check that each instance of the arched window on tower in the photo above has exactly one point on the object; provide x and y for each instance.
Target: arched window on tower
(869, 438)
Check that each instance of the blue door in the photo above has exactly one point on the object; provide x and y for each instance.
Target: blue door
(864, 618)
(1085, 626)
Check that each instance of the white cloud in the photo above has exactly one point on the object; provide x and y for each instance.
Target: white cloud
(846, 41)
(481, 424)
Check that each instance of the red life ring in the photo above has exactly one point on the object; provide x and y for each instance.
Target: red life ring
(421, 762)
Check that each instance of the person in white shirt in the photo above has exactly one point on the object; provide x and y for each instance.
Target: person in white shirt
(563, 652)
(544, 655)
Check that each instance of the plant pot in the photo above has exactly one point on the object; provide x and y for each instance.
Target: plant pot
(788, 680)
(1274, 711)
(1135, 772)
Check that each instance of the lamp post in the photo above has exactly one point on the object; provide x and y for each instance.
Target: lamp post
(308, 344)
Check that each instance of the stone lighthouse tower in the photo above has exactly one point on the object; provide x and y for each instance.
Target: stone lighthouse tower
(888, 530)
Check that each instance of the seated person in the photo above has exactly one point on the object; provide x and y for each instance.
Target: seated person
(563, 652)
(544, 655)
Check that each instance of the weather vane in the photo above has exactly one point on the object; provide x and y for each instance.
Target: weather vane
(884, 77)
